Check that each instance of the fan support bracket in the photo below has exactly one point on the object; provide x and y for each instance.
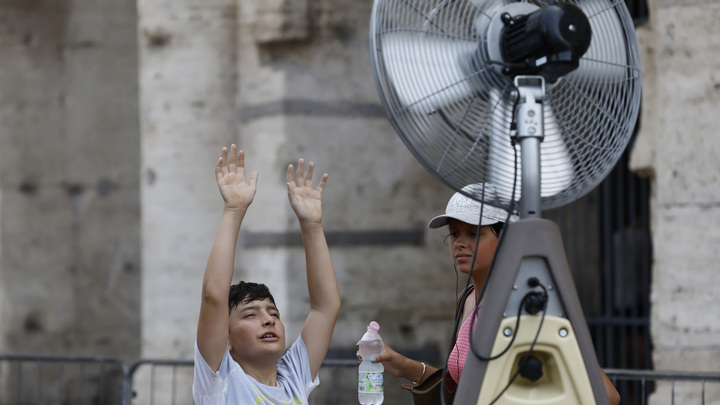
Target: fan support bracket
(529, 134)
(559, 339)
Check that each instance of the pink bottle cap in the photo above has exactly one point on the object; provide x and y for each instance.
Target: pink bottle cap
(374, 326)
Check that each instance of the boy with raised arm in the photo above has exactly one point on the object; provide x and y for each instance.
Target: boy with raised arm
(240, 355)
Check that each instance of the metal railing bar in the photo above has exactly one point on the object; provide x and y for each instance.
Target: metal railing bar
(662, 375)
(152, 384)
(644, 390)
(62, 359)
(672, 392)
(101, 397)
(39, 376)
(82, 378)
(61, 386)
(161, 362)
(19, 391)
(174, 379)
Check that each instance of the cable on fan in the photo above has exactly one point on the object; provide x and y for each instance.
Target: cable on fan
(523, 303)
(529, 303)
(506, 67)
(526, 357)
(513, 129)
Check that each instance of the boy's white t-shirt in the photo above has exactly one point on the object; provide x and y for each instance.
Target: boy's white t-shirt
(230, 385)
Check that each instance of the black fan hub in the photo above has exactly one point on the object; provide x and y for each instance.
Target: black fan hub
(547, 42)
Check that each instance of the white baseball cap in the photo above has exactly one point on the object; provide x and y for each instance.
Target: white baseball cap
(466, 209)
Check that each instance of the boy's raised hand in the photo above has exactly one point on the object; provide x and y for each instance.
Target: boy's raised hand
(305, 200)
(230, 174)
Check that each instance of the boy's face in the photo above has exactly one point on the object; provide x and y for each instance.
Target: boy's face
(256, 332)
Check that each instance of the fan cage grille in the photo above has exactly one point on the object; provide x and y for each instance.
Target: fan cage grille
(436, 72)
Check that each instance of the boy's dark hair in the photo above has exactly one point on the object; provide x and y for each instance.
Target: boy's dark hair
(243, 292)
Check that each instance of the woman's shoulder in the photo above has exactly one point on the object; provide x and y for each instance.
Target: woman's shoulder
(465, 294)
(464, 304)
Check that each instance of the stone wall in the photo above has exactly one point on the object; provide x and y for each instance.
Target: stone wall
(69, 170)
(677, 147)
(187, 98)
(69, 159)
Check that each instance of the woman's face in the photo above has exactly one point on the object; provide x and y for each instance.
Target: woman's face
(462, 239)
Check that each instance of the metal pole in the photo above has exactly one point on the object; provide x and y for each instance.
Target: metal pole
(529, 120)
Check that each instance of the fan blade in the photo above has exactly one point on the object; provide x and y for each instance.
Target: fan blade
(426, 70)
(556, 169)
(607, 56)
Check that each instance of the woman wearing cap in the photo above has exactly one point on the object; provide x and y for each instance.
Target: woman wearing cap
(462, 215)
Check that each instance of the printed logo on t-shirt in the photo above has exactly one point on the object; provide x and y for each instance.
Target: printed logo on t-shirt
(261, 399)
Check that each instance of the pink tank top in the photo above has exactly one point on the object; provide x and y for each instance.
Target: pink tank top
(456, 361)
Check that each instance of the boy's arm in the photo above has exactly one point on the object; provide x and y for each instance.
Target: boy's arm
(322, 285)
(213, 323)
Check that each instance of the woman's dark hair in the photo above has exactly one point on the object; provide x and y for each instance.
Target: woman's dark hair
(243, 292)
(497, 227)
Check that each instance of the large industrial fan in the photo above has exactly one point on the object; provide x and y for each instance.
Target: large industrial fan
(539, 100)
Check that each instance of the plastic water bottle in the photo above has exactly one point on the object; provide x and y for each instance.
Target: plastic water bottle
(371, 381)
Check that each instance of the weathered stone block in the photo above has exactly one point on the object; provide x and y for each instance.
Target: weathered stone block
(687, 98)
(685, 278)
(278, 20)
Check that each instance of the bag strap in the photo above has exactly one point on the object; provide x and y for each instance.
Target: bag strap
(450, 384)
(459, 307)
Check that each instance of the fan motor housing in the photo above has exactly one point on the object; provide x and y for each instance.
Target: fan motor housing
(548, 42)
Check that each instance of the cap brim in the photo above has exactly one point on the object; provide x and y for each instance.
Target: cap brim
(438, 222)
(499, 216)
(442, 220)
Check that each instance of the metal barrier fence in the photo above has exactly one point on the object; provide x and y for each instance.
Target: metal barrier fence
(59, 380)
(158, 381)
(77, 380)
(666, 387)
